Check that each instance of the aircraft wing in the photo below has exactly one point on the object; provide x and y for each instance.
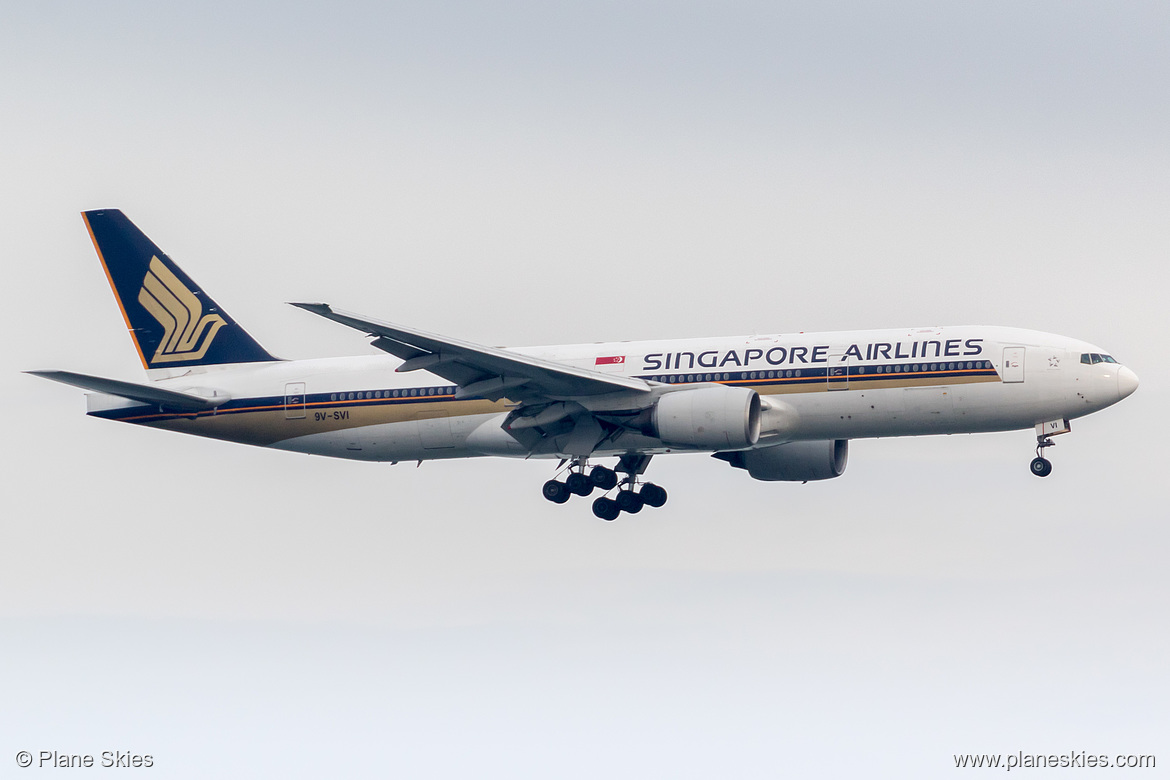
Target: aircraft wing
(170, 399)
(481, 371)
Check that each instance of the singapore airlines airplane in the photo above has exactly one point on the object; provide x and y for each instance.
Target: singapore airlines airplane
(781, 407)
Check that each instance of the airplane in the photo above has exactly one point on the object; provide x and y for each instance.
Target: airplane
(781, 407)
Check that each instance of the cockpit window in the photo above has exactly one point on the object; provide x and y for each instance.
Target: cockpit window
(1089, 358)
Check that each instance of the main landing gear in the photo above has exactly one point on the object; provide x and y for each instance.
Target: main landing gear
(628, 498)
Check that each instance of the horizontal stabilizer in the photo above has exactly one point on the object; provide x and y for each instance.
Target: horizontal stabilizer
(170, 399)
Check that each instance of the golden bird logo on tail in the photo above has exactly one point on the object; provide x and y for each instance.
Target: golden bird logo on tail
(187, 331)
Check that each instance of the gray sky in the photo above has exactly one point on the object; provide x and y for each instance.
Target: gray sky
(526, 174)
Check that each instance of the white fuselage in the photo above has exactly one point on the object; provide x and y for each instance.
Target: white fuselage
(836, 385)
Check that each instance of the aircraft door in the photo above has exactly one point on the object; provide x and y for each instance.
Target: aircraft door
(837, 370)
(1013, 364)
(294, 401)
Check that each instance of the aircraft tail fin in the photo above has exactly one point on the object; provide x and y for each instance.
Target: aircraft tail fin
(173, 323)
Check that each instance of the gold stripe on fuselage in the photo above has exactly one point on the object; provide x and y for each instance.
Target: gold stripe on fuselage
(267, 425)
(864, 382)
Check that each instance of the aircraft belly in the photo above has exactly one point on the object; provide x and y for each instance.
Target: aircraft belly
(916, 411)
(423, 439)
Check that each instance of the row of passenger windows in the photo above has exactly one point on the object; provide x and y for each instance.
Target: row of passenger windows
(717, 377)
(912, 367)
(791, 374)
(1088, 358)
(411, 393)
(671, 378)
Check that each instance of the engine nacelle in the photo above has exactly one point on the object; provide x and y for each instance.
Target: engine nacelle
(715, 418)
(796, 461)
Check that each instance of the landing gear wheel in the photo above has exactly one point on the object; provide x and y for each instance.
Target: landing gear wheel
(603, 478)
(579, 484)
(629, 501)
(1041, 467)
(652, 495)
(555, 492)
(606, 509)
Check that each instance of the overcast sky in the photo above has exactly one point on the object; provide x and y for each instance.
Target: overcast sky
(551, 173)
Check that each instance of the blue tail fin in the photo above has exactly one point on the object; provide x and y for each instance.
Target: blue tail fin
(172, 321)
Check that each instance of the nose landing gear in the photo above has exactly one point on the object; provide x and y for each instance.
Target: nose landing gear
(1040, 465)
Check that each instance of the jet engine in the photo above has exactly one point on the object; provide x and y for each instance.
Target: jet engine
(716, 417)
(795, 461)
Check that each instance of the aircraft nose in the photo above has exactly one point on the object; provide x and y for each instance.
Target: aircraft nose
(1127, 382)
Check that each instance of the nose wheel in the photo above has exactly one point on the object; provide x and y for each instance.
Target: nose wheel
(1040, 465)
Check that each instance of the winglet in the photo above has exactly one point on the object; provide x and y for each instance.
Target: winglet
(316, 308)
